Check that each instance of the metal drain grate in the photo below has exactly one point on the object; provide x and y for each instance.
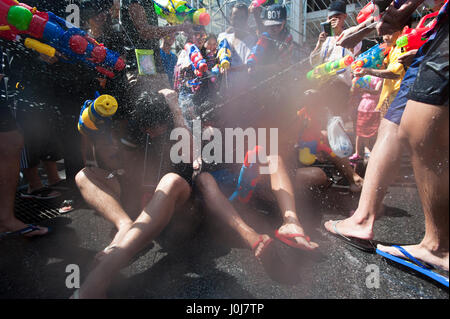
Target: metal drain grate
(30, 210)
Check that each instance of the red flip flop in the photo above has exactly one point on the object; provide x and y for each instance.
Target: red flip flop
(287, 239)
(259, 241)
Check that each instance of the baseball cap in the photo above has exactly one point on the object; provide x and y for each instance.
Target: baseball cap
(336, 7)
(274, 14)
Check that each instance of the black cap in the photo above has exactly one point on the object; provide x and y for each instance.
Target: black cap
(337, 7)
(274, 14)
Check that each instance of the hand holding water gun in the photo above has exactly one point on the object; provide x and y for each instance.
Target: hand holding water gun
(248, 177)
(375, 8)
(328, 69)
(95, 115)
(258, 50)
(413, 39)
(224, 55)
(372, 58)
(178, 11)
(198, 63)
(74, 44)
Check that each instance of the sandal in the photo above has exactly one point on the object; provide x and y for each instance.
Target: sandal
(67, 206)
(43, 193)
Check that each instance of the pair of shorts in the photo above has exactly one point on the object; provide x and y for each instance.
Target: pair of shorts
(431, 62)
(431, 84)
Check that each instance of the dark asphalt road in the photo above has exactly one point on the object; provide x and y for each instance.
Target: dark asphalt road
(204, 260)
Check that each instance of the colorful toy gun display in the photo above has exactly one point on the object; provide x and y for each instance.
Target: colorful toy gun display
(258, 50)
(372, 58)
(329, 69)
(362, 82)
(198, 63)
(177, 11)
(375, 8)
(95, 115)
(248, 177)
(74, 44)
(413, 39)
(224, 55)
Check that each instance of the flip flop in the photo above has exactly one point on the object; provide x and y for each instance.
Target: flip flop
(287, 239)
(29, 229)
(413, 263)
(67, 206)
(43, 193)
(365, 245)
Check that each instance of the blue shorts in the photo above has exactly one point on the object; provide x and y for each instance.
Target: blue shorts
(397, 107)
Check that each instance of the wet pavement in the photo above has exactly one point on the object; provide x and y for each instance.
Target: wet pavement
(196, 257)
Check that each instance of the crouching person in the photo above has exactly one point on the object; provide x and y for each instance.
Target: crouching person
(101, 187)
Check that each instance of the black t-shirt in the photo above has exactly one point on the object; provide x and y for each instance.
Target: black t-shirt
(132, 34)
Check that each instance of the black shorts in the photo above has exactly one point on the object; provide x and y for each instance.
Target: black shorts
(431, 84)
(7, 121)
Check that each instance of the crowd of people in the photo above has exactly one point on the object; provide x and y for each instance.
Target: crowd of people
(403, 109)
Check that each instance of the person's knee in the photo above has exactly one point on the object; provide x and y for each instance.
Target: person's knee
(174, 184)
(311, 176)
(81, 178)
(11, 145)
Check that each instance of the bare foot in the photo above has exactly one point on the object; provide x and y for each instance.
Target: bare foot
(302, 241)
(350, 228)
(261, 245)
(357, 184)
(434, 258)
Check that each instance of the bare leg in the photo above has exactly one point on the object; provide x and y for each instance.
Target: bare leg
(343, 165)
(10, 148)
(284, 192)
(217, 204)
(52, 172)
(172, 191)
(380, 173)
(308, 177)
(426, 128)
(32, 176)
(103, 195)
(360, 143)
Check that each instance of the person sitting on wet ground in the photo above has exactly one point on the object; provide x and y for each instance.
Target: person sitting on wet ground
(309, 126)
(103, 186)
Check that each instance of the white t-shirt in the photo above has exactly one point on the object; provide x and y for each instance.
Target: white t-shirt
(240, 51)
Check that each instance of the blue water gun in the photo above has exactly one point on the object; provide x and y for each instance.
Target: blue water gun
(248, 178)
(95, 115)
(258, 50)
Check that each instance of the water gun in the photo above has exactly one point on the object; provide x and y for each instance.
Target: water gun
(224, 55)
(375, 8)
(258, 3)
(177, 11)
(258, 50)
(198, 63)
(413, 39)
(74, 44)
(311, 143)
(372, 58)
(362, 82)
(95, 115)
(331, 68)
(249, 176)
